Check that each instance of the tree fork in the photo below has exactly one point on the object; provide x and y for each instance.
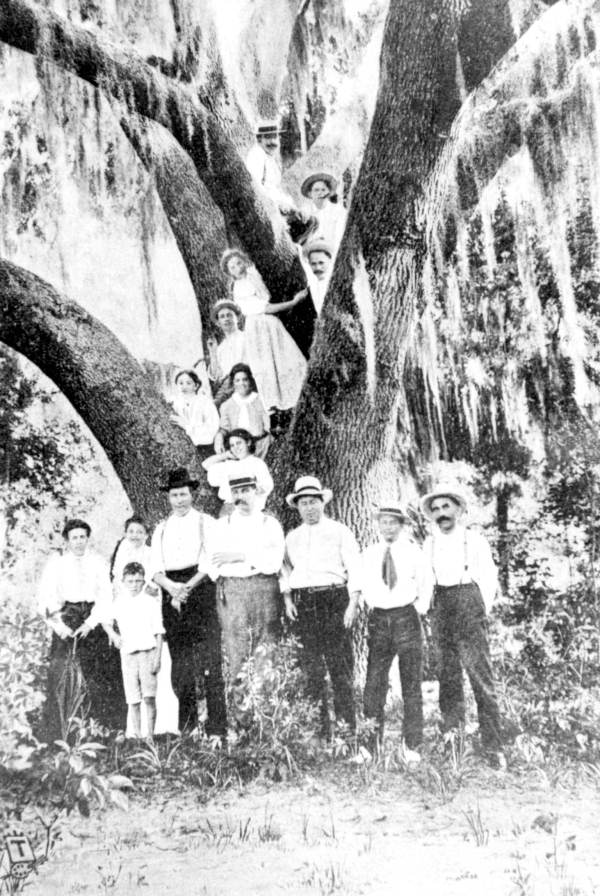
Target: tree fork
(139, 88)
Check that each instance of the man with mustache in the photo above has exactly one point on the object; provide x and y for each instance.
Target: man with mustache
(465, 584)
(246, 553)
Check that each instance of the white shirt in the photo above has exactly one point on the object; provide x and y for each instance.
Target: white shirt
(332, 222)
(139, 618)
(258, 536)
(414, 578)
(70, 579)
(228, 353)
(198, 417)
(265, 171)
(325, 553)
(462, 556)
(179, 542)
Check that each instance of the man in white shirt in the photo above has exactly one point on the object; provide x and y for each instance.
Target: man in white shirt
(263, 164)
(465, 584)
(179, 565)
(317, 260)
(321, 588)
(74, 597)
(397, 589)
(246, 552)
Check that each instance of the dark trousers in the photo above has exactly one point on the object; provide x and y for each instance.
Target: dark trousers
(460, 621)
(395, 632)
(327, 647)
(84, 676)
(194, 639)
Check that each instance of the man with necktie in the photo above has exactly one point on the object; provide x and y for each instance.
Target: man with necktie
(397, 588)
(320, 586)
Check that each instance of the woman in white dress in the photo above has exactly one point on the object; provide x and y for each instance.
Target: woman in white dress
(195, 411)
(276, 361)
(220, 468)
(320, 189)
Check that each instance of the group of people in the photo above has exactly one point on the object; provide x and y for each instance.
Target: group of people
(217, 589)
(253, 343)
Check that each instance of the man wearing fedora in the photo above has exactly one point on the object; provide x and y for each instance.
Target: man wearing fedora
(246, 553)
(465, 582)
(397, 589)
(179, 565)
(227, 315)
(320, 585)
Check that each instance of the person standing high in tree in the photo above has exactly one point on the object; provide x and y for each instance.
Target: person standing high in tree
(179, 566)
(320, 189)
(465, 584)
(320, 583)
(75, 597)
(276, 361)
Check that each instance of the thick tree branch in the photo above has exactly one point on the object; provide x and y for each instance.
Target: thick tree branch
(139, 89)
(103, 382)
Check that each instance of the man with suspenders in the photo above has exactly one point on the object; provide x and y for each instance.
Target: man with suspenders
(179, 565)
(465, 584)
(246, 553)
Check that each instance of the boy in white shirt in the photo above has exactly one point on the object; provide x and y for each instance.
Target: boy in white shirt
(139, 619)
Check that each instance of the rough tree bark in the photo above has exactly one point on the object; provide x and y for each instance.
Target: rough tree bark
(139, 89)
(105, 384)
(350, 427)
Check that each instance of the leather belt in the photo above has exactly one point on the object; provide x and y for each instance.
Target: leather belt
(315, 589)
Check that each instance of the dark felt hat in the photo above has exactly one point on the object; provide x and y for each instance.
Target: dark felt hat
(179, 478)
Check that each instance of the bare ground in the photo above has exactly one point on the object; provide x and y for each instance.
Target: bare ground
(350, 831)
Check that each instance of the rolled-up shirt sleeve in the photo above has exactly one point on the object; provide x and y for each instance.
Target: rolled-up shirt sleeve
(266, 553)
(424, 581)
(487, 572)
(286, 570)
(157, 563)
(102, 611)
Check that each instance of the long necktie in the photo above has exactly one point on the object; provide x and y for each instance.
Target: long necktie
(388, 570)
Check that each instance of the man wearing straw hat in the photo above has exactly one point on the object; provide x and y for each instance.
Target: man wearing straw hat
(263, 164)
(246, 552)
(465, 584)
(397, 589)
(179, 565)
(320, 585)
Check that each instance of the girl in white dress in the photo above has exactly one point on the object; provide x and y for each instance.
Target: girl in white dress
(275, 359)
(220, 468)
(244, 410)
(320, 189)
(195, 411)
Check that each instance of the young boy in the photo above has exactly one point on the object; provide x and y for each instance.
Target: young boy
(139, 618)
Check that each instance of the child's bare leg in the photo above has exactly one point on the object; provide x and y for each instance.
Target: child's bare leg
(150, 714)
(135, 719)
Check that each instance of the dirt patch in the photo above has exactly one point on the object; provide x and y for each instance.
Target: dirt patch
(347, 834)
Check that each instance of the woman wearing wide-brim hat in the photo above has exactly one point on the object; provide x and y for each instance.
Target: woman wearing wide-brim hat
(320, 188)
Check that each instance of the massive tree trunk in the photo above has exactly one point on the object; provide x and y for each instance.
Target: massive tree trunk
(351, 426)
(137, 88)
(105, 384)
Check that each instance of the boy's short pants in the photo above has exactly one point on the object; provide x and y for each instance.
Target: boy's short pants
(138, 679)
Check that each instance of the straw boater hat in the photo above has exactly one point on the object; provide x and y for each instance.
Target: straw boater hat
(308, 487)
(328, 179)
(224, 303)
(391, 508)
(232, 253)
(263, 128)
(443, 490)
(179, 478)
(318, 246)
(238, 481)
